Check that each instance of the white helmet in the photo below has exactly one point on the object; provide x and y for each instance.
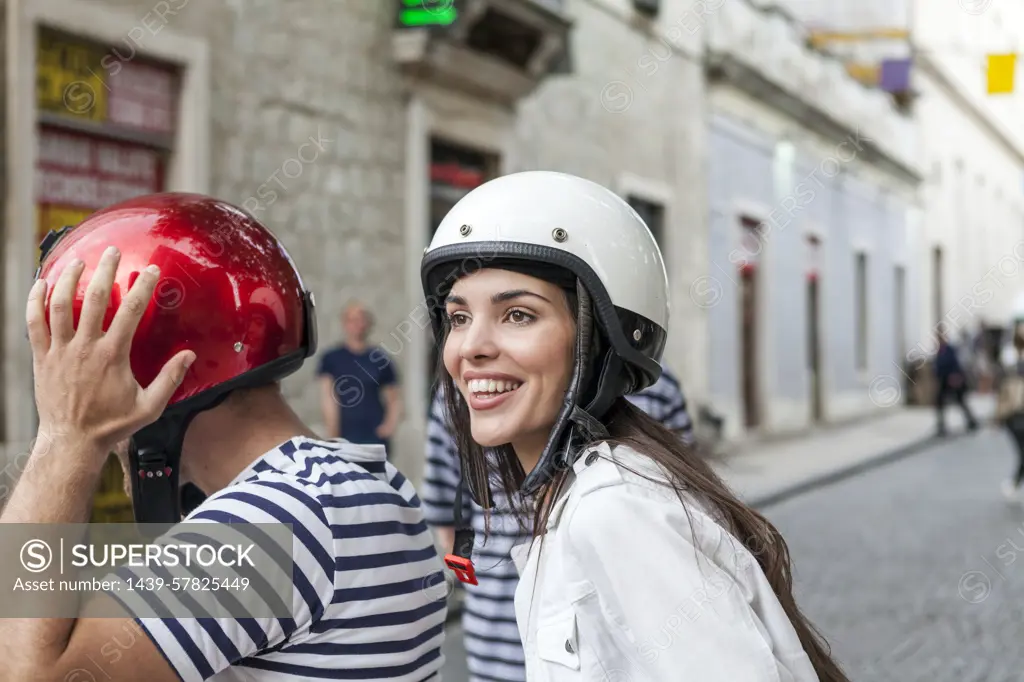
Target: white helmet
(565, 223)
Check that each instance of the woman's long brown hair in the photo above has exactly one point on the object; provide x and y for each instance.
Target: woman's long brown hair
(499, 468)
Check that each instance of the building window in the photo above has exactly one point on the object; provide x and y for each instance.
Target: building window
(861, 308)
(900, 294)
(653, 214)
(454, 172)
(937, 279)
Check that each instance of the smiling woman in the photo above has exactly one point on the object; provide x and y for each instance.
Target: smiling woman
(540, 347)
(509, 350)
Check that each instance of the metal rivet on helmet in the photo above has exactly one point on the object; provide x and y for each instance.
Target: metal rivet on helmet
(238, 346)
(636, 334)
(465, 230)
(559, 234)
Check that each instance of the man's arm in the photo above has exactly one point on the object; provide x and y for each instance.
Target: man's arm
(392, 394)
(87, 400)
(329, 407)
(392, 410)
(58, 486)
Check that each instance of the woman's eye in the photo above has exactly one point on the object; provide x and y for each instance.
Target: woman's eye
(456, 319)
(519, 317)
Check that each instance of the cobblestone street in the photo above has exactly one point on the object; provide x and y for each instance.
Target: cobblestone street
(910, 569)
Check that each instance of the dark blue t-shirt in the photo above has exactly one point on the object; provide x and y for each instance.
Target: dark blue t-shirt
(358, 381)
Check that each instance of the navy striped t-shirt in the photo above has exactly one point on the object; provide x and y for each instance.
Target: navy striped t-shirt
(365, 565)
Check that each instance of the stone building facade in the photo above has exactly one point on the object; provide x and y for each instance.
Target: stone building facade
(349, 138)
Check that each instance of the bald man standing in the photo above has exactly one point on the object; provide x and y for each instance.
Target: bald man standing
(359, 391)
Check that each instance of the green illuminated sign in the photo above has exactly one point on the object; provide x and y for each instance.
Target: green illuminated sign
(415, 13)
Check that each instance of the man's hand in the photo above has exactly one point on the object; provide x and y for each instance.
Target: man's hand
(385, 431)
(84, 384)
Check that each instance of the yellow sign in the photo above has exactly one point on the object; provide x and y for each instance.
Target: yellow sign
(1000, 72)
(69, 78)
(55, 217)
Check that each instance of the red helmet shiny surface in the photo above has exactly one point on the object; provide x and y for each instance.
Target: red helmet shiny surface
(228, 289)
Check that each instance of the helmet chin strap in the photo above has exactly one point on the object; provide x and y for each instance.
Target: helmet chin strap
(154, 460)
(154, 456)
(575, 425)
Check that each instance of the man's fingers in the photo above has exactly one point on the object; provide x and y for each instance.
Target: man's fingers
(130, 311)
(97, 294)
(35, 317)
(156, 396)
(62, 302)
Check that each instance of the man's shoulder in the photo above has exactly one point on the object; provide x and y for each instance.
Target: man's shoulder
(331, 358)
(309, 473)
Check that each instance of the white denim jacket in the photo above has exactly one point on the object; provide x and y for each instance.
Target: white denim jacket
(620, 591)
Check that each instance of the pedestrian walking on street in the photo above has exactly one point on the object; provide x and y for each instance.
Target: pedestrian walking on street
(951, 381)
(493, 646)
(1010, 406)
(360, 397)
(642, 564)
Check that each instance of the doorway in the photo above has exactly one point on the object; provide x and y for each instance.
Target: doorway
(813, 318)
(814, 348)
(748, 335)
(748, 324)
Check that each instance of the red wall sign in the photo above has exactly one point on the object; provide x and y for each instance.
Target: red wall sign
(88, 172)
(142, 97)
(77, 174)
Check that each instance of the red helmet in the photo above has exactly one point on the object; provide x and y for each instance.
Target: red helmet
(228, 291)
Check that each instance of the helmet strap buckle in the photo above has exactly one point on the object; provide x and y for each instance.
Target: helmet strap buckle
(154, 455)
(459, 559)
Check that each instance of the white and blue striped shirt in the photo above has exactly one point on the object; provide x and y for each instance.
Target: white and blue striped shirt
(364, 563)
(665, 402)
(494, 649)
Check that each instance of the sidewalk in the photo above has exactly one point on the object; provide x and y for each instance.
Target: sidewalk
(765, 473)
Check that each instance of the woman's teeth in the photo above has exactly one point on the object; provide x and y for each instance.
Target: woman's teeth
(491, 386)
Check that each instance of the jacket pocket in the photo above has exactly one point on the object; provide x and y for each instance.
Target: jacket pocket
(558, 640)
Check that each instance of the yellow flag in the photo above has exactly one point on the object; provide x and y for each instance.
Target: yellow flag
(1000, 73)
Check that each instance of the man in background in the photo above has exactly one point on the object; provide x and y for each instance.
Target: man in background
(951, 381)
(493, 646)
(359, 391)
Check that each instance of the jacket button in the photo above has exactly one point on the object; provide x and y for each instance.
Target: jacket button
(591, 458)
(568, 646)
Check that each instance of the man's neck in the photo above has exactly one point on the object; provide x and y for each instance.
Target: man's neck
(224, 444)
(356, 346)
